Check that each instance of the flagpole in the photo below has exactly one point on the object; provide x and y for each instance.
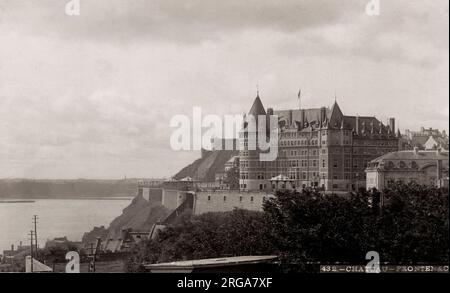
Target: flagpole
(299, 99)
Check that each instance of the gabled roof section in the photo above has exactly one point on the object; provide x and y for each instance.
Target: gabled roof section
(257, 108)
(412, 155)
(335, 116)
(336, 111)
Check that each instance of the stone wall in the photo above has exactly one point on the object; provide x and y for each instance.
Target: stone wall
(227, 200)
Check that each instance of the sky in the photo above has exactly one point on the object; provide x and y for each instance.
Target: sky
(92, 96)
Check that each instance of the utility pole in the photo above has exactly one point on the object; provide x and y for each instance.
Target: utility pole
(94, 250)
(92, 262)
(31, 251)
(35, 234)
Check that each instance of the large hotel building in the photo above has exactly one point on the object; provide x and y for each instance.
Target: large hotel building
(321, 148)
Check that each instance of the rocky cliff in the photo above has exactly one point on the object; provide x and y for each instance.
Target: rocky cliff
(205, 168)
(140, 215)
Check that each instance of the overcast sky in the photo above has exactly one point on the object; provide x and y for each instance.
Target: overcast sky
(91, 96)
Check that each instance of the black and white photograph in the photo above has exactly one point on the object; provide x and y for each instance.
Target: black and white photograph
(238, 137)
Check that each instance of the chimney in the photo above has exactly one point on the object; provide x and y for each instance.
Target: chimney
(438, 151)
(392, 124)
(323, 114)
(12, 247)
(270, 111)
(20, 243)
(416, 150)
(302, 118)
(357, 124)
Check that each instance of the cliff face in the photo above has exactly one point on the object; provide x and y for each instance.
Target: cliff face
(205, 168)
(140, 215)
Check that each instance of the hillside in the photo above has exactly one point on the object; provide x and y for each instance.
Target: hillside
(140, 215)
(205, 168)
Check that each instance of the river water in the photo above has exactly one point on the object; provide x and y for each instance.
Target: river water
(56, 218)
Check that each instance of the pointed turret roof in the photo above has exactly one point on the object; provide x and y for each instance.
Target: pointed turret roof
(336, 112)
(257, 108)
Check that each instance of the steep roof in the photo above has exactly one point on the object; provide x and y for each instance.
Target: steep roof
(336, 116)
(419, 140)
(257, 108)
(309, 114)
(365, 124)
(412, 155)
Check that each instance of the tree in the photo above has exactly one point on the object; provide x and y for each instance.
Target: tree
(309, 227)
(414, 224)
(239, 232)
(410, 228)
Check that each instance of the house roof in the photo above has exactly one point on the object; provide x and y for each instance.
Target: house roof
(413, 155)
(213, 262)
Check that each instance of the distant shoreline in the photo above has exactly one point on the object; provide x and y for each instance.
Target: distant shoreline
(17, 201)
(25, 200)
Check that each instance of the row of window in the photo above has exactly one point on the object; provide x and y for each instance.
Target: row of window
(374, 142)
(304, 176)
(241, 198)
(401, 165)
(336, 163)
(295, 135)
(298, 142)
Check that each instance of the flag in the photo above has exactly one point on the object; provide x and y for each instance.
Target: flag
(299, 93)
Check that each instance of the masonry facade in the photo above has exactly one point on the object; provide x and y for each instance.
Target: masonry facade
(319, 148)
(410, 166)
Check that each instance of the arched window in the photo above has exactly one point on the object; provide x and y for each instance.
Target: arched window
(390, 165)
(402, 165)
(414, 165)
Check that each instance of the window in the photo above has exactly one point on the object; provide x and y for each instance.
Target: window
(224, 198)
(390, 165)
(347, 163)
(240, 198)
(209, 197)
(251, 199)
